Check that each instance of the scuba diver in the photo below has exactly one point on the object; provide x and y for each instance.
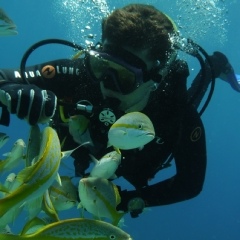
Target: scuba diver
(134, 68)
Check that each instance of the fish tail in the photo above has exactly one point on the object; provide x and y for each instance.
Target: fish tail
(117, 218)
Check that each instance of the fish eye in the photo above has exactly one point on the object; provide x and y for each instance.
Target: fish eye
(140, 126)
(112, 237)
(94, 188)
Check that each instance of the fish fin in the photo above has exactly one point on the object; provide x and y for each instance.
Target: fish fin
(117, 150)
(30, 224)
(93, 159)
(58, 179)
(63, 141)
(80, 205)
(48, 207)
(121, 223)
(66, 154)
(109, 144)
(34, 160)
(8, 154)
(24, 174)
(118, 197)
(117, 218)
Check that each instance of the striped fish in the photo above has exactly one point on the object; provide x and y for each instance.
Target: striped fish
(36, 179)
(132, 130)
(76, 228)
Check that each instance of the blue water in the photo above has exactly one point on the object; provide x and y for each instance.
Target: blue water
(215, 213)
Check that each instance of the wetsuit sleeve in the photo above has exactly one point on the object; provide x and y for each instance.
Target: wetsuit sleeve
(55, 75)
(190, 159)
(195, 94)
(59, 76)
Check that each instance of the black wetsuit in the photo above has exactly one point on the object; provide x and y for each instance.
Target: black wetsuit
(179, 130)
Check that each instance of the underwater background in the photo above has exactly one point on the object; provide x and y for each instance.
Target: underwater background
(214, 25)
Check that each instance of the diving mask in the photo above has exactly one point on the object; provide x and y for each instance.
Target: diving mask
(119, 70)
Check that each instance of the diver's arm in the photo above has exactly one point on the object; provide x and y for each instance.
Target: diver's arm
(190, 160)
(35, 100)
(56, 75)
(197, 98)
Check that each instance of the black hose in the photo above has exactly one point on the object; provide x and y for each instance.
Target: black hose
(212, 79)
(194, 49)
(39, 44)
(203, 76)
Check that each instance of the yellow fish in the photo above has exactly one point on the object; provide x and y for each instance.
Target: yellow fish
(63, 197)
(33, 226)
(36, 179)
(77, 126)
(48, 207)
(132, 130)
(106, 166)
(13, 157)
(76, 228)
(7, 26)
(100, 197)
(12, 214)
(8, 185)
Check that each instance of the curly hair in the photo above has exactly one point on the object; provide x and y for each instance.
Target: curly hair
(140, 26)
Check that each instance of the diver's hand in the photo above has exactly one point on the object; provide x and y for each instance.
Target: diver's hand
(131, 202)
(28, 102)
(136, 206)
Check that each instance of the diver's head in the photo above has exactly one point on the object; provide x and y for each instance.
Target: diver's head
(145, 33)
(140, 27)
(135, 45)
